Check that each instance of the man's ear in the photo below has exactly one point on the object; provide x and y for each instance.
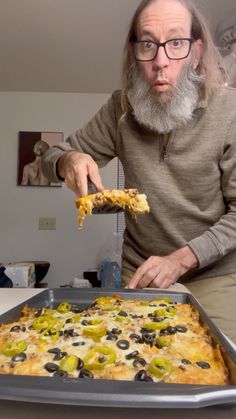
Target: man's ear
(198, 49)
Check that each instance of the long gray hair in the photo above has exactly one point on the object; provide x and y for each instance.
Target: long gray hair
(211, 65)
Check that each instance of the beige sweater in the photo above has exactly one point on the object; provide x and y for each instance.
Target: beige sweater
(189, 178)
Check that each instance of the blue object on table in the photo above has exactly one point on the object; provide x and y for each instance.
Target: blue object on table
(110, 274)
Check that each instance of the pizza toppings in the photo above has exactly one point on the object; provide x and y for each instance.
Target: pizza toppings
(85, 374)
(13, 348)
(204, 365)
(50, 367)
(159, 367)
(69, 363)
(114, 338)
(142, 376)
(19, 357)
(127, 199)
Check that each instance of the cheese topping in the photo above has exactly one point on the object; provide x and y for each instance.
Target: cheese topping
(128, 199)
(115, 338)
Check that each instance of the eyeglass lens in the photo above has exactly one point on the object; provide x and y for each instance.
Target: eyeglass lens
(175, 49)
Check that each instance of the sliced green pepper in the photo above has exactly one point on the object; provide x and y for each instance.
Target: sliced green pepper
(47, 312)
(167, 311)
(75, 319)
(162, 342)
(157, 325)
(96, 328)
(159, 367)
(14, 348)
(64, 307)
(161, 312)
(99, 357)
(49, 335)
(122, 319)
(144, 303)
(44, 322)
(69, 363)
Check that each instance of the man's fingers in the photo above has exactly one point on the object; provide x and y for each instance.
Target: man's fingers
(95, 178)
(142, 277)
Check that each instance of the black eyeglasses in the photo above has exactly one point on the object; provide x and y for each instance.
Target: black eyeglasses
(175, 49)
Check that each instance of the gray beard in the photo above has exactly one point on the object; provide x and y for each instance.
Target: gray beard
(163, 112)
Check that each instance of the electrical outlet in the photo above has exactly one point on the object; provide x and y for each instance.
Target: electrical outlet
(48, 223)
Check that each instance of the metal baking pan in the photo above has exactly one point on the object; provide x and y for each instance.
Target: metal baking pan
(70, 391)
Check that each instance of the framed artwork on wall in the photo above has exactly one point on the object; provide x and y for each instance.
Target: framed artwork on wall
(32, 145)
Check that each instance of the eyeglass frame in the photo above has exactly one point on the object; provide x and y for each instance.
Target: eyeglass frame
(163, 44)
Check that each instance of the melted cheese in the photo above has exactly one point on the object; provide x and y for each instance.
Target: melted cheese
(129, 317)
(128, 199)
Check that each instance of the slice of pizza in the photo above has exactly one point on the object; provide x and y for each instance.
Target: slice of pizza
(127, 199)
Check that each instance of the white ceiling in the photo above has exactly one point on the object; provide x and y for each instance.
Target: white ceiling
(70, 45)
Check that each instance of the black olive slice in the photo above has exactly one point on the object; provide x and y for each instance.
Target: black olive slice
(122, 313)
(136, 338)
(78, 343)
(146, 330)
(132, 355)
(19, 357)
(111, 337)
(142, 376)
(59, 356)
(54, 351)
(76, 310)
(149, 338)
(85, 374)
(185, 361)
(181, 329)
(116, 331)
(85, 322)
(80, 364)
(158, 319)
(204, 365)
(70, 333)
(50, 367)
(123, 344)
(139, 362)
(15, 329)
(60, 373)
(170, 330)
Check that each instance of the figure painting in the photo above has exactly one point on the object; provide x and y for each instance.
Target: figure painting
(32, 146)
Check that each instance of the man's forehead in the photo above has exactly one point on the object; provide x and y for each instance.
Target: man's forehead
(170, 14)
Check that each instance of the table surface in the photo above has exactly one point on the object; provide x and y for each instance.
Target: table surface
(9, 298)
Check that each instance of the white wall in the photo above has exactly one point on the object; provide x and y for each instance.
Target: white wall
(69, 250)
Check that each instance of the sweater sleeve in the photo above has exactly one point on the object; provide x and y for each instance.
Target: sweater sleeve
(220, 239)
(97, 138)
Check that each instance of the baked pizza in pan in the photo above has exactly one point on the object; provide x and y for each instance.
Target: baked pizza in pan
(113, 339)
(127, 199)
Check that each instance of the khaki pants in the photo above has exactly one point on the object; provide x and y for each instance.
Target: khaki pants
(217, 296)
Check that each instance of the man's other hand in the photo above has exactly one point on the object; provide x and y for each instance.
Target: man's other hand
(161, 272)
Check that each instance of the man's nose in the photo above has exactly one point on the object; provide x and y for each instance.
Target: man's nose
(161, 60)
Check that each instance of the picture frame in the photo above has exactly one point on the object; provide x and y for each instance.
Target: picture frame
(31, 147)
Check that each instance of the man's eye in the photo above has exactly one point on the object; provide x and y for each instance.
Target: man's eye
(176, 43)
(147, 45)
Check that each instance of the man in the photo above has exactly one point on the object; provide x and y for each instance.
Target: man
(32, 172)
(173, 127)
